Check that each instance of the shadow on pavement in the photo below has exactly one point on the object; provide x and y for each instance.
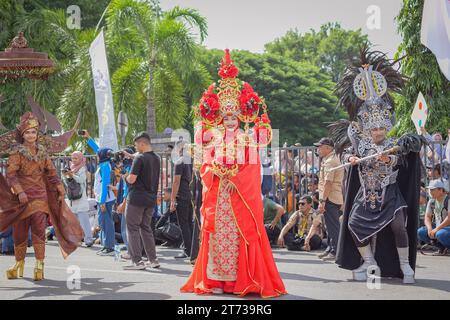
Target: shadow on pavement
(302, 277)
(89, 286)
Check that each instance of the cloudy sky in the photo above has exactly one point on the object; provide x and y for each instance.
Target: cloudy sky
(249, 24)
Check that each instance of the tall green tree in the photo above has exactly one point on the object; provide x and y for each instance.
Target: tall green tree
(420, 66)
(151, 55)
(157, 58)
(329, 48)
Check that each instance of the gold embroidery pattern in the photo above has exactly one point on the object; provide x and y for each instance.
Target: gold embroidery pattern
(223, 243)
(224, 171)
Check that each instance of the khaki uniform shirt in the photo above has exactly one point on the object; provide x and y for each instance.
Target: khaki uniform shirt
(336, 177)
(304, 223)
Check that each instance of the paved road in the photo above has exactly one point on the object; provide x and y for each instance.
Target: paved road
(305, 277)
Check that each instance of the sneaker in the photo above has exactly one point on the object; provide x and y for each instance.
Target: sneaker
(323, 254)
(181, 256)
(153, 264)
(329, 257)
(125, 256)
(107, 252)
(135, 266)
(88, 245)
(100, 251)
(441, 252)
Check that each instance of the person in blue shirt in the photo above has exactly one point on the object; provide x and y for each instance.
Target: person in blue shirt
(122, 193)
(105, 197)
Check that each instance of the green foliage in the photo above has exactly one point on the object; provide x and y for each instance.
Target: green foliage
(420, 66)
(329, 48)
(151, 56)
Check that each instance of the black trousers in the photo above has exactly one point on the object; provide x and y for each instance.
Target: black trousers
(272, 234)
(196, 235)
(296, 244)
(332, 214)
(184, 215)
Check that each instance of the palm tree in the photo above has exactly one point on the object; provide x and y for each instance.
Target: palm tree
(154, 60)
(151, 55)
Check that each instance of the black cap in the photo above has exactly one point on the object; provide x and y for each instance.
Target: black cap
(325, 142)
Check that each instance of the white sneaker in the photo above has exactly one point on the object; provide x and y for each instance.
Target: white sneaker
(135, 266)
(125, 256)
(153, 264)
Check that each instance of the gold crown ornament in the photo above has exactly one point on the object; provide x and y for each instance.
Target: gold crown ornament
(28, 121)
(232, 97)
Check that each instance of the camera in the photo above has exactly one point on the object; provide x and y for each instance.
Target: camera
(81, 132)
(115, 157)
(65, 169)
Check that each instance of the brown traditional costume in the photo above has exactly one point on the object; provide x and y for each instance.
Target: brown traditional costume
(31, 171)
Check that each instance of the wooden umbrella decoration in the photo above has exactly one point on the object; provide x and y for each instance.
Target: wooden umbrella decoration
(19, 61)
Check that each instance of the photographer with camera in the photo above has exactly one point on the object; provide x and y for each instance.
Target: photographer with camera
(143, 182)
(104, 195)
(74, 179)
(123, 166)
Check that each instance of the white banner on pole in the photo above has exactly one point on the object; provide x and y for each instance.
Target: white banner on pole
(435, 32)
(103, 94)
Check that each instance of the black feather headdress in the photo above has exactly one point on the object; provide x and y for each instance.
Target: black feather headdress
(380, 62)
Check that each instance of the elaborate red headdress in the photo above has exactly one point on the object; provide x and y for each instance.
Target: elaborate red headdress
(231, 97)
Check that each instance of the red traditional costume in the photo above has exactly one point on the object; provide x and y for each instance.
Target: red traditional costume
(31, 172)
(235, 255)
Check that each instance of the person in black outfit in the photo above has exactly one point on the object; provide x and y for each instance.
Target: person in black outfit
(196, 186)
(167, 217)
(143, 182)
(181, 201)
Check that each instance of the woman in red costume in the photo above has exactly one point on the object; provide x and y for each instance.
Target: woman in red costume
(235, 255)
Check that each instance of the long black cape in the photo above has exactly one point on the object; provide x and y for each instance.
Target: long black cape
(386, 253)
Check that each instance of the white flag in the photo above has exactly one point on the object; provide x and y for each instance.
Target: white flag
(103, 94)
(420, 113)
(435, 32)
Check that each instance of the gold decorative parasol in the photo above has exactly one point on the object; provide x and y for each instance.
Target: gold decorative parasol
(19, 61)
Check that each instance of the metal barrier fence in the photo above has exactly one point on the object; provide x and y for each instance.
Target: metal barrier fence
(292, 171)
(166, 171)
(297, 169)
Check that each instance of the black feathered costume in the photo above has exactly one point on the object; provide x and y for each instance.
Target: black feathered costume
(408, 182)
(378, 193)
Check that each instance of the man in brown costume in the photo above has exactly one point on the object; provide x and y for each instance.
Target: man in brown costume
(31, 192)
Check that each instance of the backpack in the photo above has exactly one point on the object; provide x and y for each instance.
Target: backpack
(73, 189)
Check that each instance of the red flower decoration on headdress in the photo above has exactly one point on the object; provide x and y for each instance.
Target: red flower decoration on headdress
(265, 118)
(227, 68)
(249, 101)
(209, 105)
